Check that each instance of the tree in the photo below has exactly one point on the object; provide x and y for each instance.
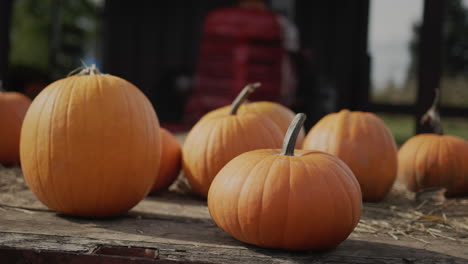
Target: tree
(52, 35)
(454, 43)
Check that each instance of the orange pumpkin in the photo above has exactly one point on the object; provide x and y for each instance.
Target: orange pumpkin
(280, 114)
(434, 160)
(213, 142)
(364, 143)
(90, 145)
(289, 199)
(13, 107)
(430, 160)
(170, 161)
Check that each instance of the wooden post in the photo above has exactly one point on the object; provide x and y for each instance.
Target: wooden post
(5, 17)
(430, 57)
(55, 36)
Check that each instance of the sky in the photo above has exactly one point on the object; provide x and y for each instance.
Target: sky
(389, 35)
(390, 31)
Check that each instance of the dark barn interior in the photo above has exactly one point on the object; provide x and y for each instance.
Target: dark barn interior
(156, 41)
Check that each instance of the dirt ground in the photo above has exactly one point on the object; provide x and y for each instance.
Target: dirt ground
(402, 215)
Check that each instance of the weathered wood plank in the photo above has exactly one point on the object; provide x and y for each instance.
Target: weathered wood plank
(352, 251)
(181, 229)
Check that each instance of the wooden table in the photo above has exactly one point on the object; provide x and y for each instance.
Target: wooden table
(177, 228)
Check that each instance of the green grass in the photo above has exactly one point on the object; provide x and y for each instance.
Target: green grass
(403, 126)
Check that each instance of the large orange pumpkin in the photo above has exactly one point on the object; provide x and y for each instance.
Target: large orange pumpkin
(290, 199)
(171, 156)
(433, 159)
(90, 145)
(364, 143)
(214, 141)
(13, 107)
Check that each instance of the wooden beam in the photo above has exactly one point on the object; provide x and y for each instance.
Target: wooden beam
(5, 19)
(451, 111)
(430, 57)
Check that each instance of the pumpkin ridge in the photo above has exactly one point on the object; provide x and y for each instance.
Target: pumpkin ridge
(260, 239)
(260, 121)
(227, 227)
(342, 191)
(270, 131)
(348, 196)
(429, 165)
(150, 130)
(451, 183)
(243, 131)
(337, 140)
(241, 229)
(131, 117)
(38, 169)
(286, 223)
(60, 92)
(419, 173)
(348, 171)
(57, 94)
(209, 146)
(330, 195)
(370, 120)
(100, 94)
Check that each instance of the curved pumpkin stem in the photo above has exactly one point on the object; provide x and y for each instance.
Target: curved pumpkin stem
(243, 95)
(291, 135)
(431, 118)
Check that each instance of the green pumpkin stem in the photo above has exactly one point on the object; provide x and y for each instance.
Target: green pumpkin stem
(243, 95)
(431, 118)
(291, 135)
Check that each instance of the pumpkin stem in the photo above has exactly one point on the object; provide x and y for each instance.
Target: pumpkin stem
(291, 135)
(431, 118)
(93, 70)
(243, 95)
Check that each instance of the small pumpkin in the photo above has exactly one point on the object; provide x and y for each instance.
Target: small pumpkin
(90, 145)
(13, 107)
(214, 141)
(280, 114)
(171, 156)
(289, 199)
(433, 159)
(364, 143)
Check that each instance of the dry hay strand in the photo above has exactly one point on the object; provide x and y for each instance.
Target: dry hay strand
(422, 217)
(11, 179)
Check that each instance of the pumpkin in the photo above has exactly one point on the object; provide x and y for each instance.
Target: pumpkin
(288, 199)
(170, 165)
(364, 143)
(13, 107)
(90, 145)
(280, 114)
(433, 159)
(213, 142)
